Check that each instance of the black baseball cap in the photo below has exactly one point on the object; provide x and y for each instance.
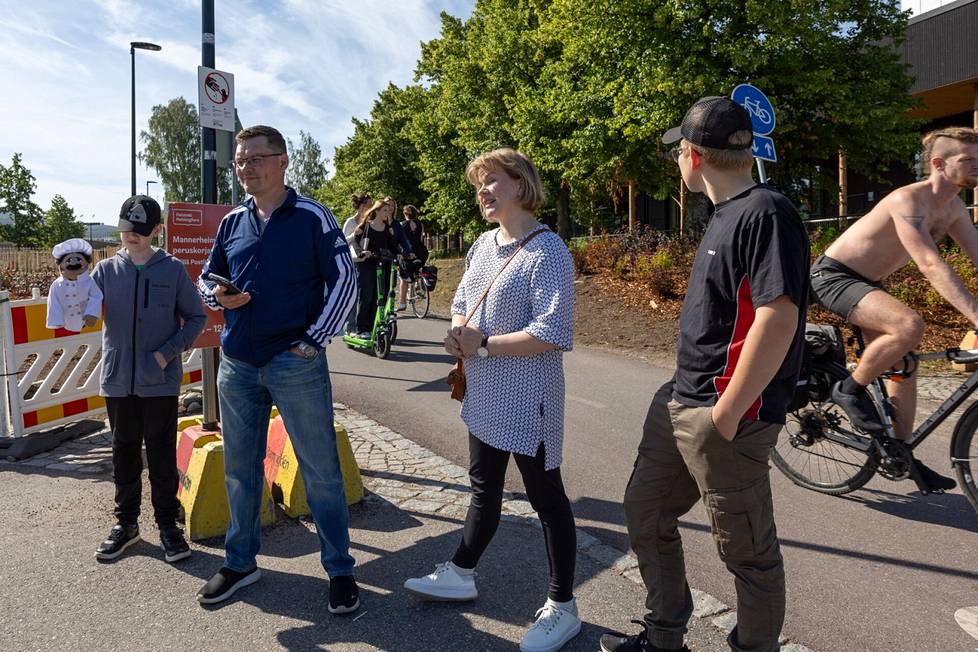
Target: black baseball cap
(139, 214)
(710, 123)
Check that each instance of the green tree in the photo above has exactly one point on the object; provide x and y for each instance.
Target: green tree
(380, 157)
(172, 148)
(17, 186)
(307, 167)
(630, 68)
(60, 223)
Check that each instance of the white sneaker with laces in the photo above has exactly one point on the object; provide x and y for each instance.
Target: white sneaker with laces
(557, 623)
(445, 583)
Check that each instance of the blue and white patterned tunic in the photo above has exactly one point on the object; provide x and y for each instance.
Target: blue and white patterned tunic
(514, 402)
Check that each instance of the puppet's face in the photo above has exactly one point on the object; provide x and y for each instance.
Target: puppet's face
(72, 266)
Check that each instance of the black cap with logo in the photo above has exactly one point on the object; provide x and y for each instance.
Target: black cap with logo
(139, 214)
(710, 123)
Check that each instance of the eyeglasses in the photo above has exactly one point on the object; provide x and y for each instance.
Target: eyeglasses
(676, 152)
(242, 163)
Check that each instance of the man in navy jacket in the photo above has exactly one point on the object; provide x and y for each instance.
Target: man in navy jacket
(288, 257)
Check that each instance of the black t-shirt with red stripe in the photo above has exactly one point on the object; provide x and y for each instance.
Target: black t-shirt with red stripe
(755, 249)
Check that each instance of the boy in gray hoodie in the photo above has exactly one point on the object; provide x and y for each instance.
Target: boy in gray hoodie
(152, 315)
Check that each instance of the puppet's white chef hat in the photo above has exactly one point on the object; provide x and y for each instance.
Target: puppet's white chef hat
(72, 246)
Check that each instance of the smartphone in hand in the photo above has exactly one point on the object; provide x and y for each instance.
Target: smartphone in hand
(229, 287)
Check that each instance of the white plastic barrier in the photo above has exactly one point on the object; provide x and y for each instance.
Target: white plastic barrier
(52, 376)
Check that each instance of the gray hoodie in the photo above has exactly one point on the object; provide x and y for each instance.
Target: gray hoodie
(143, 313)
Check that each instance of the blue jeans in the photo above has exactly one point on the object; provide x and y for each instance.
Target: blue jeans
(301, 390)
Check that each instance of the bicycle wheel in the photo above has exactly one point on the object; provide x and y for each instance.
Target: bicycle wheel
(819, 448)
(421, 300)
(964, 452)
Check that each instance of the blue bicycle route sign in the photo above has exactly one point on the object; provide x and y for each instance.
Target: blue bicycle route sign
(757, 105)
(763, 148)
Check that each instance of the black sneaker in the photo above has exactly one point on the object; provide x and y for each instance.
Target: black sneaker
(121, 537)
(618, 642)
(859, 407)
(933, 479)
(174, 545)
(224, 583)
(344, 596)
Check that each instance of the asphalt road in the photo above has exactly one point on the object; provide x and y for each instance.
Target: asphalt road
(881, 569)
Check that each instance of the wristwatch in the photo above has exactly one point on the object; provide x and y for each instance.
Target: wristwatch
(307, 350)
(483, 349)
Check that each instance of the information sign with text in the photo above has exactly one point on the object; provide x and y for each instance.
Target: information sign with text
(190, 233)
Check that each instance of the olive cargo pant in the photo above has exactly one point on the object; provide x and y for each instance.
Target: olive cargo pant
(681, 459)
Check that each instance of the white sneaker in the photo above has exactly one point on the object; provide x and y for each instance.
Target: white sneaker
(401, 306)
(444, 584)
(556, 624)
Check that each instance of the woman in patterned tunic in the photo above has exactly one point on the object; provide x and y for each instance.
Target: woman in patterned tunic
(513, 350)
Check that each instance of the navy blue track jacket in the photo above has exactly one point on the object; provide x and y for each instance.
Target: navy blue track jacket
(298, 272)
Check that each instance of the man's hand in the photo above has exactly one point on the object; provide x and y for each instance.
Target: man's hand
(160, 360)
(726, 424)
(90, 320)
(230, 301)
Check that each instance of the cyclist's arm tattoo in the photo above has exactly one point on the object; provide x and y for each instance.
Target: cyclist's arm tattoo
(916, 221)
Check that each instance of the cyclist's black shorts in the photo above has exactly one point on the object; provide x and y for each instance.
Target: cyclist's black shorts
(838, 287)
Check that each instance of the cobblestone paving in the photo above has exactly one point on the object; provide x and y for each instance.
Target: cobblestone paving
(405, 474)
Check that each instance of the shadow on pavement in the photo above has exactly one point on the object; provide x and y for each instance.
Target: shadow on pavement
(949, 509)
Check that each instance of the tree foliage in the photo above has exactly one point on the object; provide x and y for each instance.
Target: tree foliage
(172, 148)
(307, 166)
(17, 186)
(60, 223)
(587, 87)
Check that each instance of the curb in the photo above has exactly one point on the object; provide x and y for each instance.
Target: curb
(388, 456)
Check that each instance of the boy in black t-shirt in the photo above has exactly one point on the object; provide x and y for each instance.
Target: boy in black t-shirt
(710, 430)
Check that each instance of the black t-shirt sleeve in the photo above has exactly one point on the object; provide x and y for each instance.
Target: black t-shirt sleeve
(776, 257)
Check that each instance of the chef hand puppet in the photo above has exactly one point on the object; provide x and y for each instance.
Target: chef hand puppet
(74, 300)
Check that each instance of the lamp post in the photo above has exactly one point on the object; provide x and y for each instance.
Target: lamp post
(133, 46)
(147, 186)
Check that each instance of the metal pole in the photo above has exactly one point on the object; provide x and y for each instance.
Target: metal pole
(760, 171)
(210, 358)
(132, 55)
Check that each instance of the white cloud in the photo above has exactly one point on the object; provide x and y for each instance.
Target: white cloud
(299, 64)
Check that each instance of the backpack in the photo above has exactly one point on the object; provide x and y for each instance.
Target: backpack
(823, 346)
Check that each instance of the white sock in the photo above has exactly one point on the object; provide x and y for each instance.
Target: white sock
(462, 571)
(570, 606)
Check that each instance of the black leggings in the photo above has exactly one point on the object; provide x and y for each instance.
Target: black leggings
(545, 490)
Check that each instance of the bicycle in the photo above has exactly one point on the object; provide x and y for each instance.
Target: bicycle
(820, 449)
(418, 296)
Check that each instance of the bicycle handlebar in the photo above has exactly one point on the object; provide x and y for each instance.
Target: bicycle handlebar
(956, 355)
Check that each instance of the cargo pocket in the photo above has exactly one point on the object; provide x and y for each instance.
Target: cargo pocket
(736, 518)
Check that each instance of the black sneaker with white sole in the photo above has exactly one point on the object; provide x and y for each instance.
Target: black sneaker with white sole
(121, 537)
(174, 545)
(224, 583)
(933, 479)
(344, 596)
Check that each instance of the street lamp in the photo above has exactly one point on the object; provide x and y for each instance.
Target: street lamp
(133, 46)
(147, 186)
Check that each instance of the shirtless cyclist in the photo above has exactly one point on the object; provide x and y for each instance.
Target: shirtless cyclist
(906, 225)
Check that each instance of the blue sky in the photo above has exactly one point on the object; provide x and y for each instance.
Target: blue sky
(298, 64)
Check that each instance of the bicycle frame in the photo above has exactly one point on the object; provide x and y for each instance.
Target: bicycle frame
(944, 410)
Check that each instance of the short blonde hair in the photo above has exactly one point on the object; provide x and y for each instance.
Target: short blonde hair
(930, 139)
(728, 160)
(516, 165)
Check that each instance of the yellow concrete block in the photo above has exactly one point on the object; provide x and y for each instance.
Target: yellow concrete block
(283, 473)
(204, 497)
(967, 343)
(187, 422)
